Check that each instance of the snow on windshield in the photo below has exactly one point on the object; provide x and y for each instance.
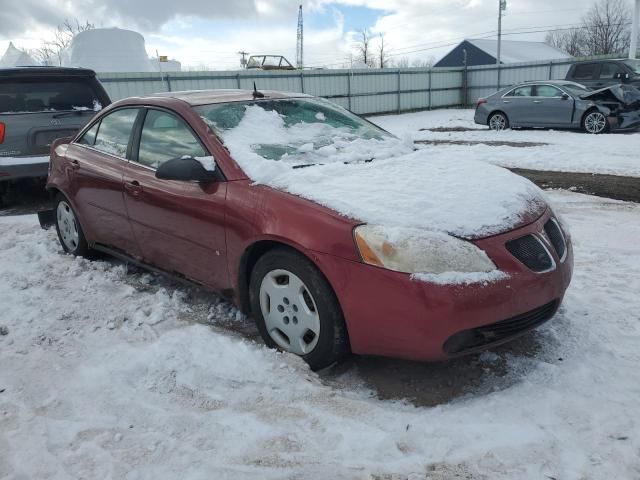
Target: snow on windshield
(401, 188)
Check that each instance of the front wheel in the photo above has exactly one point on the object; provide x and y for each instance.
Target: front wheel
(296, 310)
(69, 230)
(594, 122)
(498, 121)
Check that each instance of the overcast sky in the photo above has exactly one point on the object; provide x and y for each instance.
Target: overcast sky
(208, 33)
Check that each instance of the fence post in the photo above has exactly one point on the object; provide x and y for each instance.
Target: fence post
(498, 88)
(465, 86)
(398, 90)
(238, 80)
(550, 70)
(349, 89)
(429, 91)
(168, 82)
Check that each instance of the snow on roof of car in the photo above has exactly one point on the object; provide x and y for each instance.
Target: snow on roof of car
(206, 97)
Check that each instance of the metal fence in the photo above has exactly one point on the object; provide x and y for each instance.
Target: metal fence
(364, 91)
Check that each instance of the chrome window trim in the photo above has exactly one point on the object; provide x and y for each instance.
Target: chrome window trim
(89, 147)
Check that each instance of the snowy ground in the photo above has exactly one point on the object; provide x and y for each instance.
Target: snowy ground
(567, 151)
(106, 374)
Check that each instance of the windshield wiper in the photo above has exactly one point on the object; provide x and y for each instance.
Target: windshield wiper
(304, 165)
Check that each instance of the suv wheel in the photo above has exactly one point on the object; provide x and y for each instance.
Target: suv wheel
(296, 310)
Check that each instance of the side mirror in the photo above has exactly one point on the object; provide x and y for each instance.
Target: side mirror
(564, 96)
(187, 169)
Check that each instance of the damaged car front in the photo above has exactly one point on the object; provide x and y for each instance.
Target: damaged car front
(619, 103)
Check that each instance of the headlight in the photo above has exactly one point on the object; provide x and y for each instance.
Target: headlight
(419, 251)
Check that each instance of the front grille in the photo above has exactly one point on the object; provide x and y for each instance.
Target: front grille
(556, 237)
(495, 332)
(530, 251)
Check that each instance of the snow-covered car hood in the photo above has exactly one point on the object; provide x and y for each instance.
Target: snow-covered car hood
(465, 198)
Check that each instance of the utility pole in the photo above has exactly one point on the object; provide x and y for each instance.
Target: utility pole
(243, 61)
(300, 41)
(502, 6)
(634, 30)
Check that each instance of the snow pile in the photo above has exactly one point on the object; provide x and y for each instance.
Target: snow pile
(105, 374)
(13, 57)
(399, 188)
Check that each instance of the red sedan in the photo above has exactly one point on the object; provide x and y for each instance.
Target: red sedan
(333, 234)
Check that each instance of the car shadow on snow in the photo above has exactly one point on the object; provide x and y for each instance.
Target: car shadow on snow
(419, 383)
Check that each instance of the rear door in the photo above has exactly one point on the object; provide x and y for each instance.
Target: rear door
(38, 109)
(96, 165)
(550, 108)
(517, 105)
(179, 225)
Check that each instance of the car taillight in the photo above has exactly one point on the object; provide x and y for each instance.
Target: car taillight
(481, 101)
(2, 127)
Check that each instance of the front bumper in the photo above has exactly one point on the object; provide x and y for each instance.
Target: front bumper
(14, 168)
(389, 314)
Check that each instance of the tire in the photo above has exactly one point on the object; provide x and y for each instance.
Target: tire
(69, 230)
(296, 309)
(594, 122)
(498, 121)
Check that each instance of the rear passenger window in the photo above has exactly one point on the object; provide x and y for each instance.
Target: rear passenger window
(114, 132)
(165, 136)
(584, 71)
(520, 92)
(609, 70)
(89, 137)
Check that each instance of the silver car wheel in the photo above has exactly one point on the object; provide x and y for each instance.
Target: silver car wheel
(497, 122)
(289, 311)
(67, 226)
(595, 122)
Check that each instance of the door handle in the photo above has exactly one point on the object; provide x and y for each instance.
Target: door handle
(537, 101)
(506, 101)
(75, 165)
(134, 188)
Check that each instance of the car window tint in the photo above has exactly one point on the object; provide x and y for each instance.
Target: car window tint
(89, 137)
(47, 95)
(114, 132)
(165, 136)
(609, 70)
(547, 91)
(584, 71)
(524, 91)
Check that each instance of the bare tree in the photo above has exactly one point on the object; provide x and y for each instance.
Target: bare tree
(422, 63)
(606, 27)
(604, 30)
(383, 56)
(403, 62)
(363, 48)
(571, 41)
(50, 53)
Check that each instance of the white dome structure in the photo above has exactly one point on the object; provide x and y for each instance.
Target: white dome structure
(108, 50)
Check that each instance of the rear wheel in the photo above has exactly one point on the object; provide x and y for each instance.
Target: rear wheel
(296, 310)
(594, 122)
(69, 230)
(498, 121)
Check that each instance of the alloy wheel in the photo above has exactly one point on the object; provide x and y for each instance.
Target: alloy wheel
(290, 313)
(67, 226)
(497, 122)
(595, 122)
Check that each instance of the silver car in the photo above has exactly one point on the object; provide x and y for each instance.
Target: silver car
(552, 104)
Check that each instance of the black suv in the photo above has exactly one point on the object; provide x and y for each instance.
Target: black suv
(597, 74)
(38, 105)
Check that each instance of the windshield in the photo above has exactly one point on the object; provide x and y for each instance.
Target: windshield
(634, 64)
(575, 89)
(296, 131)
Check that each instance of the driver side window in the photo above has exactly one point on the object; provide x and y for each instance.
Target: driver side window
(165, 136)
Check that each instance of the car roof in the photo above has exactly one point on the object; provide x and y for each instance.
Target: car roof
(206, 97)
(46, 71)
(550, 82)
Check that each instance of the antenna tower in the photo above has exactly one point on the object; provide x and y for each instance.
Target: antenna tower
(300, 40)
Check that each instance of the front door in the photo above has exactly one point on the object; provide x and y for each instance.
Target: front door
(179, 225)
(517, 105)
(97, 162)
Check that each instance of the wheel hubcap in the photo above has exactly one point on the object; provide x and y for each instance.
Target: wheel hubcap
(67, 226)
(595, 122)
(497, 122)
(289, 311)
